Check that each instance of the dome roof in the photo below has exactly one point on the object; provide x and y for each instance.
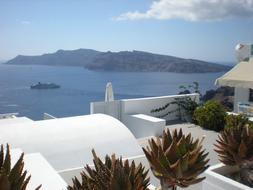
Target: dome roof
(67, 142)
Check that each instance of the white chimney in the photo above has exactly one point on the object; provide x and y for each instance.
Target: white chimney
(243, 51)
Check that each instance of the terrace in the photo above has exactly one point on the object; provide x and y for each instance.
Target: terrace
(57, 149)
(72, 138)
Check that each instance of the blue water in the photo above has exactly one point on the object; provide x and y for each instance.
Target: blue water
(79, 87)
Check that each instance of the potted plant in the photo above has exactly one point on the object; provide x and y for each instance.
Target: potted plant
(113, 174)
(235, 150)
(14, 178)
(176, 160)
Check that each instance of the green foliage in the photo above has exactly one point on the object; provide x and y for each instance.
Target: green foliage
(113, 174)
(176, 160)
(211, 116)
(237, 120)
(185, 106)
(12, 178)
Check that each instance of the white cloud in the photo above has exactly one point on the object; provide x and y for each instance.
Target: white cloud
(193, 10)
(25, 22)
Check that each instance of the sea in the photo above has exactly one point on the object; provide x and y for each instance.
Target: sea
(79, 87)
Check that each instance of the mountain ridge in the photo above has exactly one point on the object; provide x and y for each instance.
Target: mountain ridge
(122, 61)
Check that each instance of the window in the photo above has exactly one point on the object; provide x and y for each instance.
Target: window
(250, 95)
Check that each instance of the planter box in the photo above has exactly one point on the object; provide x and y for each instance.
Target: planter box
(215, 179)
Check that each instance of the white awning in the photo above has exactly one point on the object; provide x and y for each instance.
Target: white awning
(240, 76)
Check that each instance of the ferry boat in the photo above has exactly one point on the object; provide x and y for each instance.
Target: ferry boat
(45, 86)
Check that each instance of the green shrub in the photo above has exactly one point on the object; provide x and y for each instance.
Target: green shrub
(210, 116)
(185, 108)
(237, 120)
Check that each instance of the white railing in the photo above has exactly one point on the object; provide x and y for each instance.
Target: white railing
(8, 115)
(245, 108)
(47, 116)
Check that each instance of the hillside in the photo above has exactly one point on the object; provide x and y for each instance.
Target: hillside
(125, 61)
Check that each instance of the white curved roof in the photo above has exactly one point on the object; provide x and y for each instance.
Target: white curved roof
(67, 142)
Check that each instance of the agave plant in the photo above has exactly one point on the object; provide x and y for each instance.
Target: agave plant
(176, 160)
(113, 174)
(12, 178)
(235, 148)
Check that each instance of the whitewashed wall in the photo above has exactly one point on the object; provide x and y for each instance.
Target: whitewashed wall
(144, 126)
(119, 108)
(110, 108)
(241, 96)
(136, 113)
(216, 179)
(145, 105)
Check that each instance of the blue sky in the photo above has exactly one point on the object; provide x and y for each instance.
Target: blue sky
(202, 31)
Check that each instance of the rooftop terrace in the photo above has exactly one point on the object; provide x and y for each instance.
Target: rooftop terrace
(63, 145)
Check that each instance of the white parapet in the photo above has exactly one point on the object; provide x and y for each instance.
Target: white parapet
(146, 105)
(13, 121)
(216, 180)
(42, 173)
(137, 113)
(118, 108)
(142, 125)
(8, 115)
(47, 116)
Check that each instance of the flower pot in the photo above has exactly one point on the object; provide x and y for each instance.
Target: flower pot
(216, 179)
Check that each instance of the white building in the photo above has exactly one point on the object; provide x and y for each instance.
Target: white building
(57, 149)
(241, 78)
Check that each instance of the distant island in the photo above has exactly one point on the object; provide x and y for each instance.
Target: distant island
(123, 61)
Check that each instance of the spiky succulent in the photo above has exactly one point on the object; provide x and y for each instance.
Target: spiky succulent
(12, 178)
(176, 160)
(113, 174)
(235, 148)
(235, 145)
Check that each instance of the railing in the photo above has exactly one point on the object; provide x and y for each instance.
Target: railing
(8, 115)
(245, 108)
(47, 116)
